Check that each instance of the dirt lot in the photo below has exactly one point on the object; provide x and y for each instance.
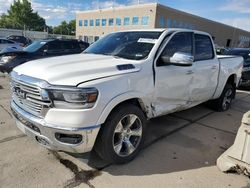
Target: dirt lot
(180, 151)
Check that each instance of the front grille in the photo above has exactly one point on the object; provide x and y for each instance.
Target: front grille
(28, 97)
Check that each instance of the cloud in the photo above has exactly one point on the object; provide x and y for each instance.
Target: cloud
(109, 4)
(239, 6)
(5, 5)
(242, 23)
(104, 4)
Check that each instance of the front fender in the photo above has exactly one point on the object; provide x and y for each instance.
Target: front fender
(119, 99)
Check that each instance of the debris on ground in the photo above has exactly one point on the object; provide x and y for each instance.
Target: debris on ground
(80, 176)
(239, 170)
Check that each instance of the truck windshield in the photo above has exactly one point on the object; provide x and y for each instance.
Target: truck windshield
(135, 45)
(35, 46)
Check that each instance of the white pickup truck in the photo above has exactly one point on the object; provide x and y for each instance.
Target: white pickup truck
(101, 99)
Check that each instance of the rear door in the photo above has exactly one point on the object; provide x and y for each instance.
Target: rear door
(172, 83)
(206, 69)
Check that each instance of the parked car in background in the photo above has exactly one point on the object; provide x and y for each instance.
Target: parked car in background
(24, 41)
(220, 50)
(83, 45)
(102, 98)
(245, 53)
(5, 43)
(37, 50)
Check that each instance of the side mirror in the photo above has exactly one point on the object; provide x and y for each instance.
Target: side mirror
(45, 51)
(179, 59)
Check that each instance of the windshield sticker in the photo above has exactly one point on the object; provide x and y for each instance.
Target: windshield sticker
(138, 55)
(42, 42)
(147, 40)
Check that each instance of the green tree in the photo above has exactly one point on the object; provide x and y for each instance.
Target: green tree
(21, 16)
(65, 28)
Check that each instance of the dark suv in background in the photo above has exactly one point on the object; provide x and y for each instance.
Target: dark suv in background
(24, 41)
(40, 49)
(245, 53)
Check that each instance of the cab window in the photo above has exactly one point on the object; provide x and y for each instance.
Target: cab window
(203, 48)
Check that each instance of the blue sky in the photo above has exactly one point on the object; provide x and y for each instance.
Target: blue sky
(232, 12)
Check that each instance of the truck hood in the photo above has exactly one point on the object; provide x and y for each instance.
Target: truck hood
(74, 69)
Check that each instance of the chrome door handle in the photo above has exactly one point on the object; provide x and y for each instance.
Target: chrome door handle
(189, 72)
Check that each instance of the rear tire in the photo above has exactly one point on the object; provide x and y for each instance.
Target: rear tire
(223, 103)
(121, 137)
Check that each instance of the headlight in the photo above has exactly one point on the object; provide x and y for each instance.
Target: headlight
(74, 98)
(7, 59)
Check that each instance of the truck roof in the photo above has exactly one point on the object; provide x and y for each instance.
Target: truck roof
(167, 29)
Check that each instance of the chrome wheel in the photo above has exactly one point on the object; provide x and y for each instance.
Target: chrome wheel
(127, 135)
(227, 99)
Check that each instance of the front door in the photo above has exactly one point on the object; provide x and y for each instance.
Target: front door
(172, 83)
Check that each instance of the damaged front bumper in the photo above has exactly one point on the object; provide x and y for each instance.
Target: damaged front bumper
(54, 137)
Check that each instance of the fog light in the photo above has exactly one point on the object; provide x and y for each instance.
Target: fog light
(42, 141)
(69, 138)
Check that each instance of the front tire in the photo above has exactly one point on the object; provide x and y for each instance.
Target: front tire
(122, 135)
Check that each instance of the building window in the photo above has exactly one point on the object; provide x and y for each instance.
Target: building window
(85, 38)
(90, 39)
(135, 21)
(228, 42)
(145, 20)
(85, 23)
(118, 21)
(174, 24)
(96, 38)
(104, 22)
(203, 47)
(126, 21)
(162, 22)
(80, 23)
(91, 22)
(97, 22)
(111, 21)
(169, 23)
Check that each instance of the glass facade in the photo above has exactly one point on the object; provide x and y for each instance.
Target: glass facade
(126, 21)
(162, 22)
(145, 20)
(118, 21)
(135, 20)
(179, 24)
